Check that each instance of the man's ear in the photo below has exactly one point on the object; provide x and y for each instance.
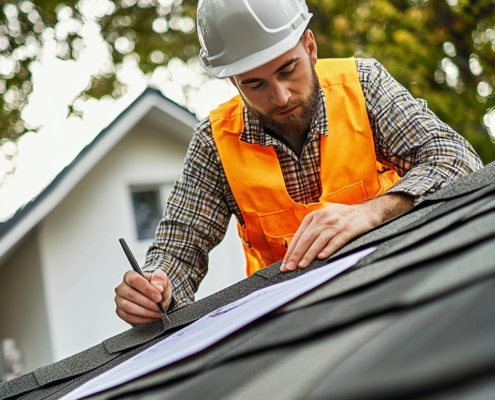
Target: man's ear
(232, 80)
(310, 44)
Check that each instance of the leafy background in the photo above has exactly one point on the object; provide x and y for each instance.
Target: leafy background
(441, 50)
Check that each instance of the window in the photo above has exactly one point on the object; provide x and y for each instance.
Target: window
(148, 211)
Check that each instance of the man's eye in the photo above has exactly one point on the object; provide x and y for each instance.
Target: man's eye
(288, 72)
(255, 87)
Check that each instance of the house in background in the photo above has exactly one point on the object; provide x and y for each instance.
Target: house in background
(60, 258)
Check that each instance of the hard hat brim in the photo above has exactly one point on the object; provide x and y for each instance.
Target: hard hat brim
(257, 59)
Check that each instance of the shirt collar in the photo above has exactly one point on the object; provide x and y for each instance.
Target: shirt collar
(253, 132)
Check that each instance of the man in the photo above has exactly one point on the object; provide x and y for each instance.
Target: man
(311, 154)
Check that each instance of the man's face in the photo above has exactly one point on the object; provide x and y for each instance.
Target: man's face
(284, 93)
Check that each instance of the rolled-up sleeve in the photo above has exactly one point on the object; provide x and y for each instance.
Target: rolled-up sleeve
(409, 138)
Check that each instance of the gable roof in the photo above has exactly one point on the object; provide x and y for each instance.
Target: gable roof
(151, 106)
(412, 320)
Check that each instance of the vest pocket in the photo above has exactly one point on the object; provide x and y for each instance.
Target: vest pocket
(279, 245)
(243, 235)
(279, 228)
(254, 261)
(349, 195)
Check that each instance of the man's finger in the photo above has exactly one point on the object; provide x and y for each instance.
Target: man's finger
(295, 240)
(135, 309)
(316, 248)
(134, 296)
(139, 283)
(336, 243)
(160, 280)
(306, 240)
(148, 276)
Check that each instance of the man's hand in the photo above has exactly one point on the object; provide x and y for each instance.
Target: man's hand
(325, 231)
(136, 297)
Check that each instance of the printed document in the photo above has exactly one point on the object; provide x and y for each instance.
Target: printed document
(214, 327)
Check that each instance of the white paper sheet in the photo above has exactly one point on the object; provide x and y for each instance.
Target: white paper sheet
(213, 327)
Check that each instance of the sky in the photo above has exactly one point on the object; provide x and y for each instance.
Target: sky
(41, 156)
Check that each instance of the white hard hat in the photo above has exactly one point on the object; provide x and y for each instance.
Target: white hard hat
(239, 35)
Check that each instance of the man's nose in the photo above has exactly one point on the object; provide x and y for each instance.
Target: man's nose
(280, 95)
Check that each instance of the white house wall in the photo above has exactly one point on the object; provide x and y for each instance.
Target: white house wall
(226, 266)
(81, 257)
(23, 315)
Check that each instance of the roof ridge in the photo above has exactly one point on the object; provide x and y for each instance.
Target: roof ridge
(6, 226)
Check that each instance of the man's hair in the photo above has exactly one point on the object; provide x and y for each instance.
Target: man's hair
(301, 38)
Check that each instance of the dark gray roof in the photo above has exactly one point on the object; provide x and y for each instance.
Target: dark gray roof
(414, 319)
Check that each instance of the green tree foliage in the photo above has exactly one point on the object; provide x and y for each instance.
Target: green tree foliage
(441, 51)
(152, 31)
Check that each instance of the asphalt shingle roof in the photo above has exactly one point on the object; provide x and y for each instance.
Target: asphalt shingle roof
(414, 319)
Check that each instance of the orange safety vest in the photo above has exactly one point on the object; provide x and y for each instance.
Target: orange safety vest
(349, 171)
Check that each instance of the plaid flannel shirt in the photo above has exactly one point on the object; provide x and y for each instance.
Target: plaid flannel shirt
(408, 138)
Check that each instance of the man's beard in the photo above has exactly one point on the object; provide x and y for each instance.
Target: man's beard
(292, 124)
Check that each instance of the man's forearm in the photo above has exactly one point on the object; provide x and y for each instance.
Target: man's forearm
(325, 231)
(427, 153)
(388, 206)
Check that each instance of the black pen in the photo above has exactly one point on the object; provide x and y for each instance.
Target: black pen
(135, 267)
